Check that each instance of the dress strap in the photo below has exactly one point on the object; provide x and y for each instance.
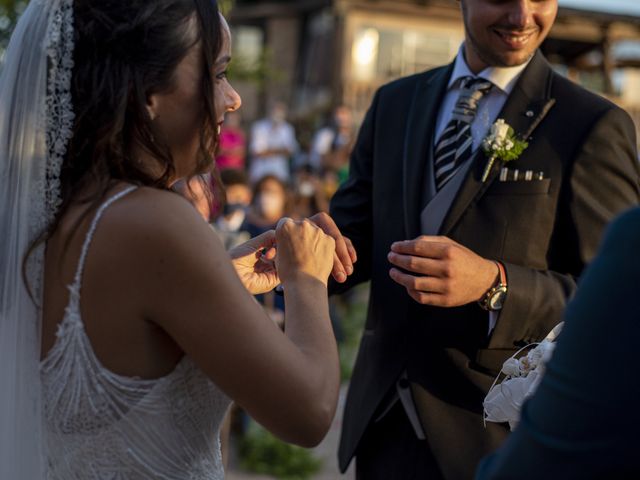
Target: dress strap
(77, 280)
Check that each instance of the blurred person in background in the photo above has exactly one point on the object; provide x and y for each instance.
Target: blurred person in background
(269, 204)
(232, 150)
(309, 194)
(230, 225)
(273, 143)
(332, 145)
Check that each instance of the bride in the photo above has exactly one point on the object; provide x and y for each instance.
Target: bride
(124, 328)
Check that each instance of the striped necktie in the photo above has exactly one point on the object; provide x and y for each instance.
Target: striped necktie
(455, 145)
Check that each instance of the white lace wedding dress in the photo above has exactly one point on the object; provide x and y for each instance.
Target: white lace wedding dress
(100, 425)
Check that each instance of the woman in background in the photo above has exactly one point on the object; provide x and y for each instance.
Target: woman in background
(269, 204)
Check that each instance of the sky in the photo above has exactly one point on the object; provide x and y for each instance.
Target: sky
(625, 7)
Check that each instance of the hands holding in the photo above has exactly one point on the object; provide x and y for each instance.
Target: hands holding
(301, 246)
(448, 274)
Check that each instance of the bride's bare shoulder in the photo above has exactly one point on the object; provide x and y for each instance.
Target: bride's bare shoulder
(149, 220)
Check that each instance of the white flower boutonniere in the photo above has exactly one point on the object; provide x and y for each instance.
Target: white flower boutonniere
(501, 144)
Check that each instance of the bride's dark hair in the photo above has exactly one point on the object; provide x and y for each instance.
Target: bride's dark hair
(125, 51)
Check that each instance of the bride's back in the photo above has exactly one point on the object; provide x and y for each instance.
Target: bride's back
(129, 427)
(114, 287)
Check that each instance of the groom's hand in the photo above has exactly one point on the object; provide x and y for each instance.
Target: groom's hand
(441, 272)
(345, 255)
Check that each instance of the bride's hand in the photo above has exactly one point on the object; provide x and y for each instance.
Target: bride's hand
(254, 263)
(304, 250)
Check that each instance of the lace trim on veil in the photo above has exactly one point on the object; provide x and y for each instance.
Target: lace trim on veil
(57, 124)
(59, 103)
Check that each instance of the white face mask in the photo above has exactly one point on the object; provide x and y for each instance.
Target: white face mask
(234, 220)
(270, 204)
(306, 189)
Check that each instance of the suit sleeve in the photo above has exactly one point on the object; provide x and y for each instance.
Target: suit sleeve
(602, 181)
(351, 206)
(581, 421)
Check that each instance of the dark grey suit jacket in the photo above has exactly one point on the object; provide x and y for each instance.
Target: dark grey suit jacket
(544, 232)
(583, 421)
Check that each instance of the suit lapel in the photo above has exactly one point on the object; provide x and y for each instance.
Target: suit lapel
(525, 108)
(417, 146)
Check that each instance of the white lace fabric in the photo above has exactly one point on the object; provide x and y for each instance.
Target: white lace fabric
(100, 425)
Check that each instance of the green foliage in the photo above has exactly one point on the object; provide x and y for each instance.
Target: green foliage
(10, 10)
(225, 6)
(353, 312)
(514, 153)
(259, 72)
(261, 452)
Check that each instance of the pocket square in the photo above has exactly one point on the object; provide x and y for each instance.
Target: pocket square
(517, 175)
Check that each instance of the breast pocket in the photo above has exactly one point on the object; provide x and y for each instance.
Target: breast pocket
(533, 187)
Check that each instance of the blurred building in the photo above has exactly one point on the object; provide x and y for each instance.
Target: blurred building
(323, 53)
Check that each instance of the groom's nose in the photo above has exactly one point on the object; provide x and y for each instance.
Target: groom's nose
(520, 13)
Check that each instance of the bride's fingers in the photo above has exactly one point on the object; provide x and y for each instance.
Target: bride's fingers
(265, 240)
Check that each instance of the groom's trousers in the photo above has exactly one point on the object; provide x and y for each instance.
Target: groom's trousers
(390, 450)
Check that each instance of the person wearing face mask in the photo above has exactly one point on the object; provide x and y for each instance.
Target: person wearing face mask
(231, 224)
(270, 204)
(273, 143)
(309, 194)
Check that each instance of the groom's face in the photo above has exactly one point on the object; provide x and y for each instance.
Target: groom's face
(505, 33)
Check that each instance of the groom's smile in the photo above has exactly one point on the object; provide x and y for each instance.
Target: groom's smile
(505, 33)
(516, 40)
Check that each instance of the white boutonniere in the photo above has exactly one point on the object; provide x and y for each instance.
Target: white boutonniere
(501, 144)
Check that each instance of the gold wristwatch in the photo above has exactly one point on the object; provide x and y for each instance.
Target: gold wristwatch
(494, 299)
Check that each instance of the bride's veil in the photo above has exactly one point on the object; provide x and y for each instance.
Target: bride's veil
(36, 120)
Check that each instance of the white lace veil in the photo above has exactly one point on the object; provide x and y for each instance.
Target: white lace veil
(36, 119)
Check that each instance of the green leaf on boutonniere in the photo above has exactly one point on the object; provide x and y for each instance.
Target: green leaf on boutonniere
(501, 144)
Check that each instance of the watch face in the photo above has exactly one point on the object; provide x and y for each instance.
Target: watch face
(497, 299)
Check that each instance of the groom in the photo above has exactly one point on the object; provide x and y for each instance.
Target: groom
(465, 270)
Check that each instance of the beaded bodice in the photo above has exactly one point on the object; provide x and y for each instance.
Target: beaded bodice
(100, 425)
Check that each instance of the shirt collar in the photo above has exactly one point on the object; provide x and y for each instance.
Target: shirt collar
(504, 78)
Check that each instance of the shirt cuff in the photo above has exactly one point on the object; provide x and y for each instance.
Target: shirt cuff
(493, 320)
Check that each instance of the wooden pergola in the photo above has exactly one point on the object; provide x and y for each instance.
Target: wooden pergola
(583, 40)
